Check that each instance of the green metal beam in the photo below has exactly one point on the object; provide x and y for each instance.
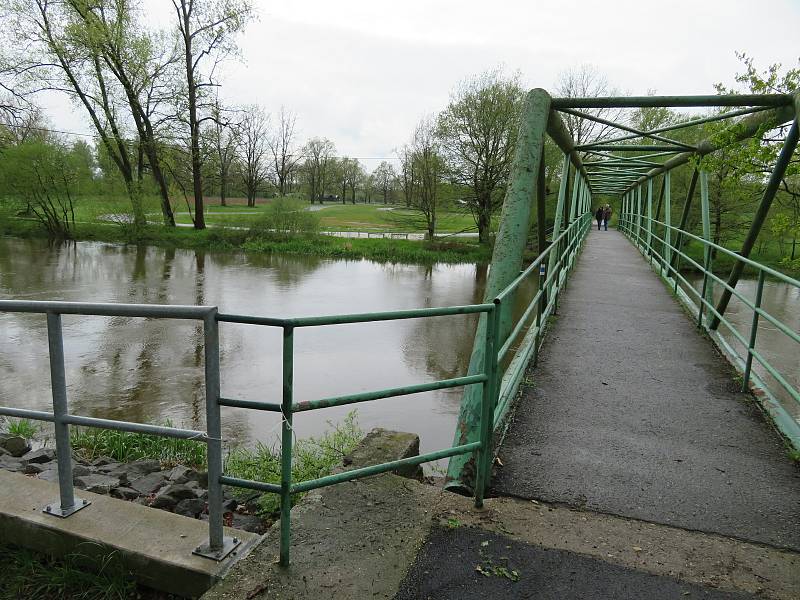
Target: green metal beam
(761, 215)
(741, 130)
(632, 148)
(507, 255)
(636, 132)
(674, 101)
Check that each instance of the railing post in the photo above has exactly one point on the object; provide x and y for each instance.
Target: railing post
(639, 216)
(666, 191)
(483, 462)
(707, 293)
(649, 228)
(286, 443)
(68, 503)
(753, 330)
(218, 546)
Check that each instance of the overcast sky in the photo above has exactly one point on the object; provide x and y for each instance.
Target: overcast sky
(363, 72)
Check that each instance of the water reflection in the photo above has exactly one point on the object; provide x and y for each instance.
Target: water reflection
(149, 370)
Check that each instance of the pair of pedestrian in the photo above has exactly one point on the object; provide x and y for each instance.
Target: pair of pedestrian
(603, 215)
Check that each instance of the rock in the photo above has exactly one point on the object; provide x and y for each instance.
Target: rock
(103, 461)
(109, 468)
(40, 456)
(190, 507)
(202, 479)
(31, 469)
(98, 484)
(124, 493)
(129, 472)
(49, 475)
(250, 523)
(14, 444)
(148, 484)
(229, 504)
(4, 452)
(182, 474)
(179, 491)
(384, 445)
(9, 463)
(164, 502)
(79, 470)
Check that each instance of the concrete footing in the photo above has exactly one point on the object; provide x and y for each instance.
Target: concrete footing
(155, 546)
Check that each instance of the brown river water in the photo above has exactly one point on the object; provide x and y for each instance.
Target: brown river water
(148, 370)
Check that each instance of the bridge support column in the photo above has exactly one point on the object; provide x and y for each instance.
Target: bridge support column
(666, 192)
(707, 293)
(684, 219)
(505, 266)
(649, 228)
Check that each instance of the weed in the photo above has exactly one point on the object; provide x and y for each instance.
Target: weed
(453, 523)
(24, 428)
(125, 446)
(27, 574)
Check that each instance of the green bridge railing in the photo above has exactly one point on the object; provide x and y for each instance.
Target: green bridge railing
(654, 239)
(496, 385)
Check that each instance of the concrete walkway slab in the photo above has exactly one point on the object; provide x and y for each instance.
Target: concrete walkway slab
(634, 413)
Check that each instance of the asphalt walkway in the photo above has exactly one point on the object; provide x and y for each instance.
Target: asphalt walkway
(634, 413)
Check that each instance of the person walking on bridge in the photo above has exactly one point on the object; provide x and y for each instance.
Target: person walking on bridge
(599, 216)
(606, 216)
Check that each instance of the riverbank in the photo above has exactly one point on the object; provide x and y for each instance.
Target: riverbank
(226, 240)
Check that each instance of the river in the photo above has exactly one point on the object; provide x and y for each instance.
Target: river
(151, 370)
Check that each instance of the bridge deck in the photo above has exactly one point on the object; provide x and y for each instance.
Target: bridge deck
(634, 413)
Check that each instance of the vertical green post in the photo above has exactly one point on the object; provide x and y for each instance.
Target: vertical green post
(775, 178)
(286, 443)
(649, 242)
(505, 267)
(577, 183)
(666, 192)
(639, 215)
(489, 390)
(753, 330)
(684, 219)
(707, 292)
(557, 220)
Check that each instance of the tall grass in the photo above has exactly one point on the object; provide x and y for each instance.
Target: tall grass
(24, 428)
(90, 443)
(27, 574)
(312, 457)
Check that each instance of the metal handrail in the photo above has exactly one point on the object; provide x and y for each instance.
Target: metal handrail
(497, 387)
(641, 230)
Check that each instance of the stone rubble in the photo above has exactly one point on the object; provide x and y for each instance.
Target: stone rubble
(178, 489)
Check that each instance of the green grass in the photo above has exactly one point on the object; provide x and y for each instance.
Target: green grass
(23, 428)
(400, 251)
(27, 574)
(312, 457)
(90, 443)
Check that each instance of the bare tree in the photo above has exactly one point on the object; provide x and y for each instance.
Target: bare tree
(318, 164)
(205, 28)
(427, 165)
(225, 141)
(478, 130)
(285, 156)
(253, 148)
(582, 82)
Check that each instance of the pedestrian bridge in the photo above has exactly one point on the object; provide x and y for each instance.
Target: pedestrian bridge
(628, 403)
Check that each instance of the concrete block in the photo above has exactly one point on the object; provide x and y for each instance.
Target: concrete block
(154, 545)
(381, 446)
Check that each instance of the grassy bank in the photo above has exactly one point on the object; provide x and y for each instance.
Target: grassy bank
(216, 239)
(312, 457)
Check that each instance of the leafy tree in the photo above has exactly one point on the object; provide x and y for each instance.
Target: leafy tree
(384, 176)
(49, 176)
(318, 166)
(478, 132)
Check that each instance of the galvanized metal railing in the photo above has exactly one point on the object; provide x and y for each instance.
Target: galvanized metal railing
(497, 386)
(667, 253)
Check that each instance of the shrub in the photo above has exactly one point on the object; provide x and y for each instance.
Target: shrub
(286, 217)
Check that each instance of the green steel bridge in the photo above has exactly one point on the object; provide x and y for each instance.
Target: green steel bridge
(618, 328)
